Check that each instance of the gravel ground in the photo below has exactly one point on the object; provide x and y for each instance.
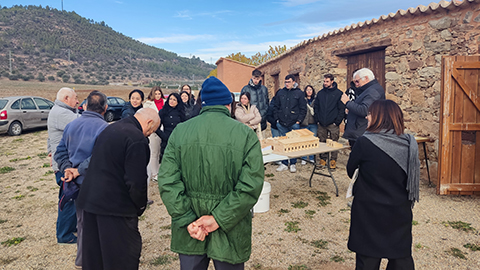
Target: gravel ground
(286, 237)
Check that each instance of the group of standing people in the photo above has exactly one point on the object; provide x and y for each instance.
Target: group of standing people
(106, 167)
(387, 158)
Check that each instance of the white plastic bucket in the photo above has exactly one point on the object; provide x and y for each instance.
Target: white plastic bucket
(263, 203)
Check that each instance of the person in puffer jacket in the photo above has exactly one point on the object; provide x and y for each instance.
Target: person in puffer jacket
(210, 202)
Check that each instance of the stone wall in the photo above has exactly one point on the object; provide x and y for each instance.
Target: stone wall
(413, 61)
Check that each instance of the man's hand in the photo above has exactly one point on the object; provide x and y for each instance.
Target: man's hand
(70, 174)
(196, 232)
(208, 223)
(345, 98)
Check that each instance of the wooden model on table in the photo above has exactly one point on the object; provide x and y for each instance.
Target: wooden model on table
(295, 140)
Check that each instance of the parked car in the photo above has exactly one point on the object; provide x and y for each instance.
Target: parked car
(23, 112)
(114, 110)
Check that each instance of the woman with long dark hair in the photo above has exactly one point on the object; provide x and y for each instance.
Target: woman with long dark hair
(247, 113)
(171, 115)
(188, 103)
(385, 190)
(135, 99)
(309, 121)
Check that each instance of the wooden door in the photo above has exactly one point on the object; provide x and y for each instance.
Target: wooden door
(459, 156)
(374, 60)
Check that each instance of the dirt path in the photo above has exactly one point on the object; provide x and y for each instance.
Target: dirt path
(285, 237)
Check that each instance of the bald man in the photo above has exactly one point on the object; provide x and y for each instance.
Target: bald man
(114, 193)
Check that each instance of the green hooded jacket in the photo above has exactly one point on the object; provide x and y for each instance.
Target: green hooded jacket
(212, 166)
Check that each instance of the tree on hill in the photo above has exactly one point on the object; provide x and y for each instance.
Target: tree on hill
(256, 59)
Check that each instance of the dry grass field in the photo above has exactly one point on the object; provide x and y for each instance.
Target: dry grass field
(305, 228)
(49, 90)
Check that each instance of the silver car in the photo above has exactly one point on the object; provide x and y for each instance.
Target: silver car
(23, 112)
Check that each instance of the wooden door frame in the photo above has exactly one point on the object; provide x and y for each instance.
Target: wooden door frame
(451, 76)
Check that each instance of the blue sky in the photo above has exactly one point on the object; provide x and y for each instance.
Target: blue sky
(214, 29)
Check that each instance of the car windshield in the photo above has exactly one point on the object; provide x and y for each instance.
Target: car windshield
(3, 102)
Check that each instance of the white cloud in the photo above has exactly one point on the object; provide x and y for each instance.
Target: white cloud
(212, 54)
(314, 31)
(184, 14)
(173, 39)
(188, 15)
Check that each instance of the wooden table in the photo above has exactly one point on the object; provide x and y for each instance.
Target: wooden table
(317, 169)
(423, 140)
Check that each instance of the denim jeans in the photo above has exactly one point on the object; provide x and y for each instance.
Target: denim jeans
(313, 128)
(283, 131)
(67, 218)
(275, 132)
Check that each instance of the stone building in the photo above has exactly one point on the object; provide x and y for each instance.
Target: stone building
(404, 49)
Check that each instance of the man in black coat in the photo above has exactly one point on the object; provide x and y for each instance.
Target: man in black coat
(368, 90)
(329, 111)
(114, 193)
(289, 111)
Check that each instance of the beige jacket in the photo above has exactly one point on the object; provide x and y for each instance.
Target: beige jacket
(251, 117)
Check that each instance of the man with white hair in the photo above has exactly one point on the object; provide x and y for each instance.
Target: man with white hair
(63, 112)
(368, 90)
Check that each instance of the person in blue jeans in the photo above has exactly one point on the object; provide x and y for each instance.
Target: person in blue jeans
(271, 119)
(63, 112)
(289, 110)
(67, 217)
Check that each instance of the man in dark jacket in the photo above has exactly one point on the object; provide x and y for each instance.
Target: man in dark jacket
(290, 109)
(368, 90)
(210, 202)
(329, 113)
(258, 95)
(74, 151)
(114, 193)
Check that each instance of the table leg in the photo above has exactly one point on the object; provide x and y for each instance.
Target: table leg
(315, 167)
(426, 162)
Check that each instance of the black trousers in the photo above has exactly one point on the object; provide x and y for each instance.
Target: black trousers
(110, 242)
(201, 262)
(370, 263)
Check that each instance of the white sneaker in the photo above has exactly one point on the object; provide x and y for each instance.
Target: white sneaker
(278, 163)
(304, 162)
(282, 168)
(293, 168)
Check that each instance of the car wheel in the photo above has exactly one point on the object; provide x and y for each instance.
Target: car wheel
(109, 116)
(15, 129)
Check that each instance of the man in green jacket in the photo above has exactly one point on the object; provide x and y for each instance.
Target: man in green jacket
(210, 177)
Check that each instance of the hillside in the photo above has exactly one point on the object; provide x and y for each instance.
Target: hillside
(48, 44)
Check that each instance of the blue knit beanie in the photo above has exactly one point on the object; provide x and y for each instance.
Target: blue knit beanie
(214, 92)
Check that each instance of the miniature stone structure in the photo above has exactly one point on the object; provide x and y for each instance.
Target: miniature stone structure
(334, 144)
(296, 140)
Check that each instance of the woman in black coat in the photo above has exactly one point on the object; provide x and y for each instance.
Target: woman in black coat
(172, 113)
(135, 99)
(385, 190)
(188, 103)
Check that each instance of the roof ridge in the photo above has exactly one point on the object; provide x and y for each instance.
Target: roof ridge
(412, 10)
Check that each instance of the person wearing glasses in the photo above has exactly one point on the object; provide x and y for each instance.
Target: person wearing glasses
(290, 109)
(368, 91)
